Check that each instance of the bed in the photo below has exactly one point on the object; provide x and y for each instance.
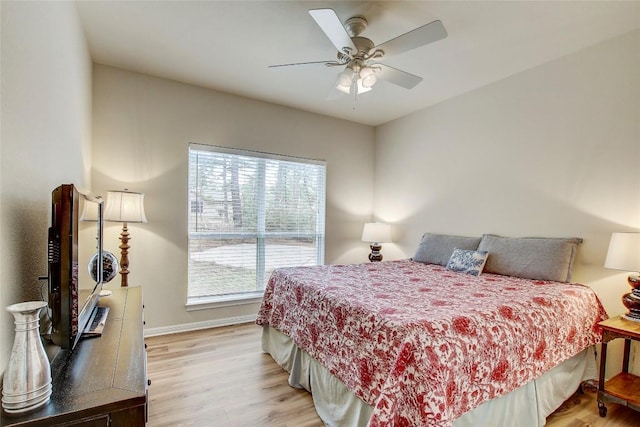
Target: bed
(443, 339)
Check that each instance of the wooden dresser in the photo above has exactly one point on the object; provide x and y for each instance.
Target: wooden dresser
(103, 382)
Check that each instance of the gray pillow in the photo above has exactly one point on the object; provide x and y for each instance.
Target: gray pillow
(535, 258)
(437, 248)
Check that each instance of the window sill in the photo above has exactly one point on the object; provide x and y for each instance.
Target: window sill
(204, 303)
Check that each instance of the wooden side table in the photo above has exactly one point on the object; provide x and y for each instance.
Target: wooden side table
(624, 388)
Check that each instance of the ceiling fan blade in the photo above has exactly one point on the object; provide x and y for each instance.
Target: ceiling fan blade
(329, 22)
(304, 64)
(428, 33)
(397, 77)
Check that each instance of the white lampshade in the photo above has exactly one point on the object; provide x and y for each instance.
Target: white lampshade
(376, 232)
(90, 209)
(125, 206)
(624, 252)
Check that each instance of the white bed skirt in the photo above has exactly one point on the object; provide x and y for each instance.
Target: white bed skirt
(527, 406)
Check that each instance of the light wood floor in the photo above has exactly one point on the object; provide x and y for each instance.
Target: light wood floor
(220, 377)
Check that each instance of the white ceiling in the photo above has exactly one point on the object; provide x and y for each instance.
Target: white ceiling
(228, 45)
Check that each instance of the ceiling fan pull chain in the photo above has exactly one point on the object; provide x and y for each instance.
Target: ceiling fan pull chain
(354, 84)
(354, 88)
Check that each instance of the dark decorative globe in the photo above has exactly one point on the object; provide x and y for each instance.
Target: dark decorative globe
(110, 266)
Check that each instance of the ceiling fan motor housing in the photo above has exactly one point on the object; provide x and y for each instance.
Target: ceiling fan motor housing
(363, 44)
(355, 25)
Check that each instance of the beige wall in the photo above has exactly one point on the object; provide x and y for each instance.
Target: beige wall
(45, 139)
(553, 151)
(141, 129)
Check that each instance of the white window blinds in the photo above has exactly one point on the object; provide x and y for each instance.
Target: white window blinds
(250, 213)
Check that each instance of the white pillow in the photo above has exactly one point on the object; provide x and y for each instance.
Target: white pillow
(467, 261)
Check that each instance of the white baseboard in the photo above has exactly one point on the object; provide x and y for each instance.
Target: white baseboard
(186, 327)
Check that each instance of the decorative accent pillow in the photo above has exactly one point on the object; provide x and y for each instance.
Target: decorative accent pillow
(537, 258)
(467, 261)
(437, 248)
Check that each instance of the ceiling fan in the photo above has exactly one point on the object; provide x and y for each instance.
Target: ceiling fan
(359, 55)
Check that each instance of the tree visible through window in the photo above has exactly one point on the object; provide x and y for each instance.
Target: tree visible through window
(250, 213)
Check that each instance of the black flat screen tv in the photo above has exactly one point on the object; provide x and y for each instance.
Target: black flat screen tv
(74, 290)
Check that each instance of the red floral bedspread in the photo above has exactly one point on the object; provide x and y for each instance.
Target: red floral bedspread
(423, 345)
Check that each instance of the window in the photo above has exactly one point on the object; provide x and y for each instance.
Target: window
(250, 213)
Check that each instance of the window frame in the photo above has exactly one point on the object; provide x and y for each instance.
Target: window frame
(261, 234)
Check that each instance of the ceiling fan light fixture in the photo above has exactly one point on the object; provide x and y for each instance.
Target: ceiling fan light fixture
(360, 81)
(344, 89)
(358, 88)
(362, 88)
(353, 88)
(368, 77)
(345, 78)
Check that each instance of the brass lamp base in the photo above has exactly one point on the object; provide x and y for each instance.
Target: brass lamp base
(375, 254)
(124, 255)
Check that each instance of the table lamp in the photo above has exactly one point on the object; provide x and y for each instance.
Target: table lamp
(376, 233)
(124, 206)
(624, 254)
